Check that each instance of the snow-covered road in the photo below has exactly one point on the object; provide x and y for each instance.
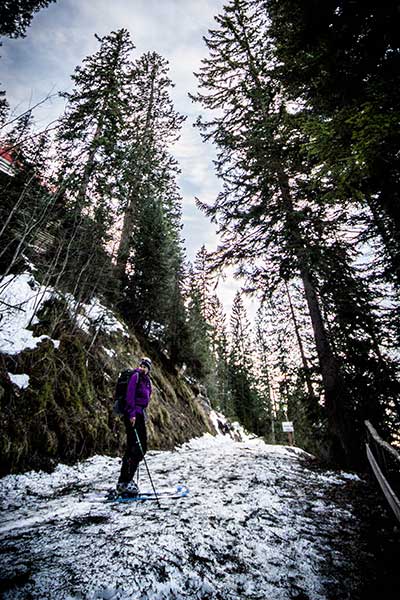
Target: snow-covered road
(260, 523)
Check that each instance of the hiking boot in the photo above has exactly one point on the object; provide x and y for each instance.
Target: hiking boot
(128, 490)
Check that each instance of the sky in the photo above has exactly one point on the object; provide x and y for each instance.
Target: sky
(62, 34)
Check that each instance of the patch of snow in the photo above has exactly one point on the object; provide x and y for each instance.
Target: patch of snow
(111, 353)
(236, 432)
(94, 314)
(29, 264)
(338, 478)
(224, 427)
(20, 297)
(20, 380)
(350, 476)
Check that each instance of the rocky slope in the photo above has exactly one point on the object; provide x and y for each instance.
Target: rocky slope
(57, 378)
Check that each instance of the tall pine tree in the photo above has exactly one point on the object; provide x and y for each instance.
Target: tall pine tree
(149, 255)
(88, 139)
(241, 367)
(273, 222)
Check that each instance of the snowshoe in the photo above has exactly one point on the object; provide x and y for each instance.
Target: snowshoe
(127, 490)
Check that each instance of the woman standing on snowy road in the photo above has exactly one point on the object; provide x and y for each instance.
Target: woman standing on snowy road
(137, 398)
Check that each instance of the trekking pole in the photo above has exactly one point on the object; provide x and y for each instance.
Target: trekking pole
(147, 468)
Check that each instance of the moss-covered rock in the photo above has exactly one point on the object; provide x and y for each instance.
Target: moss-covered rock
(66, 412)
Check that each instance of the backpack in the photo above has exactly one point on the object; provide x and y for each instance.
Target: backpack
(121, 389)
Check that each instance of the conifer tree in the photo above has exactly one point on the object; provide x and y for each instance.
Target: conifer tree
(281, 375)
(201, 360)
(223, 396)
(273, 225)
(93, 120)
(204, 279)
(147, 166)
(241, 373)
(177, 336)
(217, 378)
(16, 16)
(149, 257)
(256, 209)
(220, 351)
(87, 140)
(266, 409)
(369, 370)
(353, 126)
(341, 60)
(154, 262)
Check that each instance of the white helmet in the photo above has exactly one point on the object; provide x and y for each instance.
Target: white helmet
(145, 361)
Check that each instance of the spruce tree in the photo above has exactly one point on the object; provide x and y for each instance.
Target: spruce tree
(241, 368)
(149, 257)
(205, 284)
(217, 376)
(266, 410)
(369, 370)
(341, 60)
(277, 224)
(16, 16)
(219, 344)
(257, 156)
(177, 337)
(93, 120)
(87, 144)
(147, 167)
(201, 360)
(150, 280)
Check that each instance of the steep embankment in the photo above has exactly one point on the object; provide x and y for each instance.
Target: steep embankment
(57, 378)
(260, 523)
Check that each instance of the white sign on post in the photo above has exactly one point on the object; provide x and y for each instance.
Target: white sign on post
(287, 426)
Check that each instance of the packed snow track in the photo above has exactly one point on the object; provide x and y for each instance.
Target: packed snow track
(259, 523)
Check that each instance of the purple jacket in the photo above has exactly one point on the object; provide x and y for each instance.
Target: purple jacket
(138, 394)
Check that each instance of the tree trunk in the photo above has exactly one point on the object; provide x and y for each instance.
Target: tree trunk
(335, 393)
(88, 170)
(301, 348)
(128, 224)
(125, 241)
(388, 239)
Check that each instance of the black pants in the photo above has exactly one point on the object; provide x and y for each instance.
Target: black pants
(133, 453)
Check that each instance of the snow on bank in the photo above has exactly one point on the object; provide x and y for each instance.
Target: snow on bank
(21, 296)
(257, 524)
(224, 427)
(237, 433)
(95, 314)
(21, 381)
